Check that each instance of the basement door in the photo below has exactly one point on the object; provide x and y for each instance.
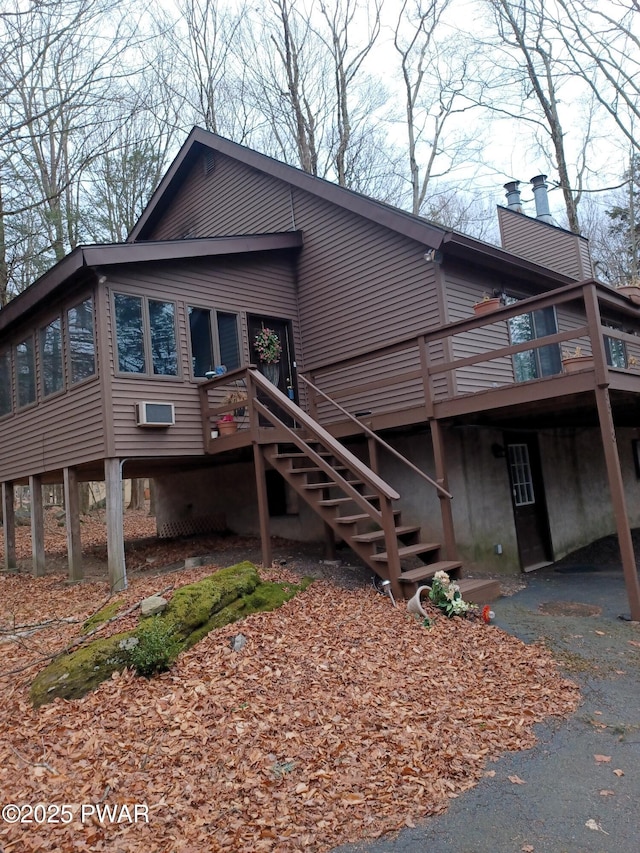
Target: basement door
(528, 498)
(283, 374)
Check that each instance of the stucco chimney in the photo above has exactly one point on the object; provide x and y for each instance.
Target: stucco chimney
(513, 196)
(543, 213)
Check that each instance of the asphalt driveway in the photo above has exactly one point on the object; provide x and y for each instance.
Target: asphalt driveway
(571, 801)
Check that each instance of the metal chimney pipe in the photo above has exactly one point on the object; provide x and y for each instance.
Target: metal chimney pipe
(513, 196)
(543, 213)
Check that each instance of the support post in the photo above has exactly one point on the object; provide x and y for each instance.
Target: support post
(9, 526)
(391, 543)
(37, 526)
(115, 525)
(72, 511)
(372, 446)
(448, 530)
(329, 542)
(616, 487)
(263, 506)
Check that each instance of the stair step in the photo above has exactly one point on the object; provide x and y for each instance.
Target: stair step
(376, 535)
(299, 455)
(479, 590)
(354, 519)
(315, 470)
(338, 501)
(423, 573)
(409, 551)
(328, 485)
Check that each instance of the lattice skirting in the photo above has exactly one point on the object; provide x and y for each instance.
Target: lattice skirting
(193, 526)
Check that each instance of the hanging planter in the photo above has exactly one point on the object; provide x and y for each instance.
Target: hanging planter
(269, 349)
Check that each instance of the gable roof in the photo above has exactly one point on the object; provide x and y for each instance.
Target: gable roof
(416, 227)
(81, 263)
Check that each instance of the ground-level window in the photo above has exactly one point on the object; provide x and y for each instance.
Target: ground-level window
(26, 372)
(5, 383)
(521, 476)
(51, 357)
(146, 334)
(82, 348)
(215, 340)
(543, 361)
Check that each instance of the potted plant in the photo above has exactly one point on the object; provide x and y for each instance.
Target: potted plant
(227, 424)
(631, 290)
(575, 360)
(269, 349)
(487, 304)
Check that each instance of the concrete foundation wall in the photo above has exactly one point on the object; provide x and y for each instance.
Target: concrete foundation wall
(573, 469)
(228, 491)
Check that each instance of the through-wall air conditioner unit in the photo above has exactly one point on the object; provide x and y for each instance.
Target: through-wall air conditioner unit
(150, 414)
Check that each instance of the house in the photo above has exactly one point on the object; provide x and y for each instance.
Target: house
(495, 455)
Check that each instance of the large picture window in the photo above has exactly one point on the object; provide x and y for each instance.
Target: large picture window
(214, 340)
(25, 372)
(51, 357)
(5, 383)
(146, 334)
(542, 361)
(82, 349)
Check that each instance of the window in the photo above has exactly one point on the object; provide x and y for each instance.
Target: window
(51, 357)
(5, 383)
(164, 355)
(25, 373)
(521, 476)
(615, 349)
(82, 350)
(214, 340)
(543, 361)
(131, 358)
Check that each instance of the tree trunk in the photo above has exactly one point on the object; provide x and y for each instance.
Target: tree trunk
(137, 494)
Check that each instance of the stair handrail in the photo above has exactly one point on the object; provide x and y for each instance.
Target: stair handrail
(377, 438)
(329, 441)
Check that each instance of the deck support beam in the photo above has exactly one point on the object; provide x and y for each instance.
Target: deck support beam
(618, 500)
(37, 525)
(263, 506)
(115, 525)
(9, 526)
(72, 512)
(448, 530)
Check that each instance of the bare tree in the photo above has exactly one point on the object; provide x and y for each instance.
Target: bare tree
(603, 45)
(436, 85)
(523, 26)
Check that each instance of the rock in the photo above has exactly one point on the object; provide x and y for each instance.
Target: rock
(152, 605)
(194, 610)
(192, 562)
(238, 642)
(23, 518)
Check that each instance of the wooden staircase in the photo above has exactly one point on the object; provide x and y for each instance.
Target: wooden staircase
(328, 488)
(350, 497)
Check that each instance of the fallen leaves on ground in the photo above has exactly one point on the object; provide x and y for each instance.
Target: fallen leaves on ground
(341, 719)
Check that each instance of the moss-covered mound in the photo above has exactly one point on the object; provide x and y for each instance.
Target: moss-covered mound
(193, 611)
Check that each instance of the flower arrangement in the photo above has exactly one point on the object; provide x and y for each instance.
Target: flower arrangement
(577, 353)
(446, 595)
(237, 395)
(268, 346)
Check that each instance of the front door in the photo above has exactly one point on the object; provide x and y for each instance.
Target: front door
(528, 498)
(283, 373)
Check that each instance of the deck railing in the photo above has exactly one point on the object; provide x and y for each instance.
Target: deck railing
(432, 361)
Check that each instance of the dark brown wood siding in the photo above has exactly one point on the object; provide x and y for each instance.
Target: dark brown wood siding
(232, 199)
(360, 285)
(63, 429)
(544, 244)
(263, 284)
